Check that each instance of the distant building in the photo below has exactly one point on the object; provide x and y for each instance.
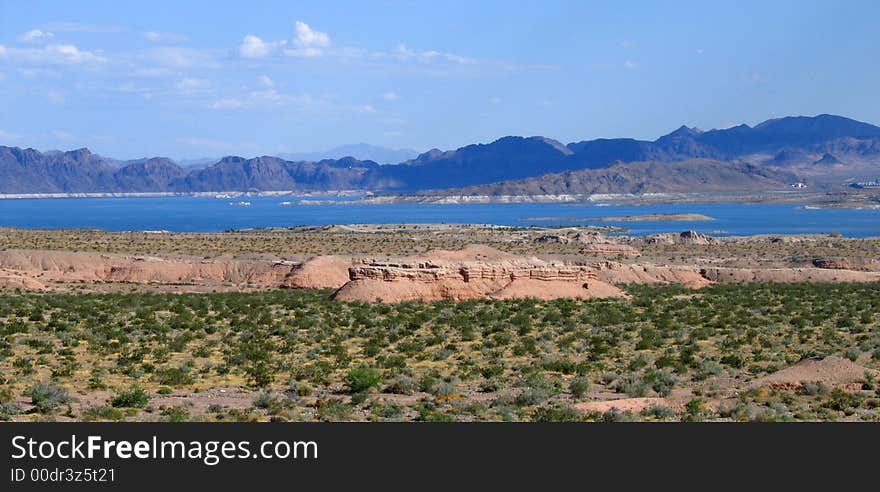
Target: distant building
(799, 185)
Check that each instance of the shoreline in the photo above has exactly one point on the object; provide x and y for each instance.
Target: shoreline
(172, 194)
(809, 200)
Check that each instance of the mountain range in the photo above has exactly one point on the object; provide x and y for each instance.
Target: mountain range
(773, 152)
(362, 151)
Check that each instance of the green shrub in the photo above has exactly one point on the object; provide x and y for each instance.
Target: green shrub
(47, 396)
(579, 387)
(134, 397)
(176, 414)
(103, 412)
(9, 410)
(361, 379)
(557, 414)
(402, 385)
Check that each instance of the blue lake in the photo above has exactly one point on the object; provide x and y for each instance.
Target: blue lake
(212, 214)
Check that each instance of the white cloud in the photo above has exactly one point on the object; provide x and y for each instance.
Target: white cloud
(254, 47)
(264, 99)
(190, 84)
(308, 42)
(391, 96)
(73, 54)
(405, 53)
(164, 37)
(36, 36)
(2, 51)
(56, 96)
(177, 57)
(53, 54)
(630, 64)
(306, 37)
(265, 81)
(365, 108)
(495, 100)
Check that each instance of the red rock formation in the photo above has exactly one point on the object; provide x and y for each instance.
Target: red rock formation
(619, 273)
(426, 280)
(320, 272)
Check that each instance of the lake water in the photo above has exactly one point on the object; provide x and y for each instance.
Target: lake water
(213, 214)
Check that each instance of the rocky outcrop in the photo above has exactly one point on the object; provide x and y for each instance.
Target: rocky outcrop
(320, 272)
(832, 371)
(475, 272)
(12, 280)
(593, 243)
(553, 239)
(64, 267)
(848, 263)
(416, 278)
(686, 237)
(619, 273)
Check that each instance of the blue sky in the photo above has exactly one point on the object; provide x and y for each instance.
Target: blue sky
(132, 79)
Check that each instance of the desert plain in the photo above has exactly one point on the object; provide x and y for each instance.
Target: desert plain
(437, 322)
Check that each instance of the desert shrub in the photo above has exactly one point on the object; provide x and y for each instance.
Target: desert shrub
(269, 401)
(8, 410)
(662, 382)
(47, 396)
(102, 412)
(852, 353)
(175, 414)
(362, 378)
(299, 389)
(428, 382)
(609, 377)
(387, 411)
(557, 414)
(813, 388)
(615, 415)
(134, 397)
(433, 415)
(402, 385)
(174, 376)
(843, 401)
(659, 412)
(579, 387)
(631, 385)
(333, 410)
(696, 410)
(538, 389)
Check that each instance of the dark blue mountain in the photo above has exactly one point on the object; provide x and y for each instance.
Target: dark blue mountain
(788, 142)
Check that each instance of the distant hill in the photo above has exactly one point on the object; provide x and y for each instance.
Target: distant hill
(698, 175)
(274, 174)
(361, 151)
(823, 145)
(801, 141)
(505, 158)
